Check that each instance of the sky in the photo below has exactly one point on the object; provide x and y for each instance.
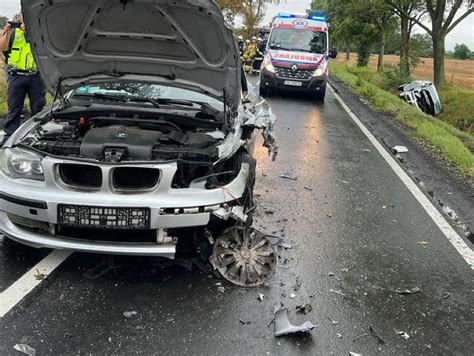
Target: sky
(463, 33)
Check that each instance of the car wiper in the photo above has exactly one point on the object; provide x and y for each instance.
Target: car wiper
(154, 102)
(102, 96)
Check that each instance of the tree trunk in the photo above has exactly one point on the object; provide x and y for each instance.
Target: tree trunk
(381, 50)
(404, 47)
(348, 50)
(438, 54)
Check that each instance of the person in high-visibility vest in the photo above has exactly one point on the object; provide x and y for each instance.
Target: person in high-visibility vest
(22, 75)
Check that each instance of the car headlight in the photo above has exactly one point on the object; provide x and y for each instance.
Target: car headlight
(18, 163)
(267, 64)
(321, 70)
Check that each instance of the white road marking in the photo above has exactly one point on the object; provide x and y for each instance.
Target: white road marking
(466, 252)
(20, 289)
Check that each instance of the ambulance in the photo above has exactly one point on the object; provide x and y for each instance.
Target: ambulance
(297, 55)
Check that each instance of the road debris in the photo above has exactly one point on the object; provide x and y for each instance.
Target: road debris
(354, 354)
(40, 276)
(129, 314)
(292, 295)
(403, 335)
(305, 309)
(277, 307)
(297, 285)
(244, 322)
(451, 213)
(446, 295)
(339, 336)
(286, 176)
(360, 337)
(337, 292)
(279, 241)
(260, 296)
(399, 149)
(25, 349)
(376, 335)
(284, 327)
(308, 188)
(408, 291)
(244, 256)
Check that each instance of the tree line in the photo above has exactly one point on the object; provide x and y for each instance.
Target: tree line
(366, 24)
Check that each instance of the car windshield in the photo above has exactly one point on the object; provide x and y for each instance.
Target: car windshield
(292, 39)
(133, 90)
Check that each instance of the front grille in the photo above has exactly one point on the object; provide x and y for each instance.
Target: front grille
(134, 178)
(81, 176)
(303, 74)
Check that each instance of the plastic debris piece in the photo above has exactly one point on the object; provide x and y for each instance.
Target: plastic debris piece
(305, 309)
(40, 276)
(284, 327)
(339, 336)
(360, 337)
(129, 314)
(260, 296)
(354, 354)
(244, 256)
(308, 188)
(376, 335)
(337, 292)
(279, 241)
(446, 295)
(244, 322)
(277, 307)
(221, 289)
(409, 291)
(25, 349)
(286, 176)
(403, 334)
(292, 295)
(297, 285)
(399, 149)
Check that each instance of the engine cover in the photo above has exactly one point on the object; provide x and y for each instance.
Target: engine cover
(132, 143)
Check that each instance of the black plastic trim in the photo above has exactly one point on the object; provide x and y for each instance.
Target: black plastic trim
(25, 202)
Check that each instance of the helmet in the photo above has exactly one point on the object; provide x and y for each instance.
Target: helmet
(240, 38)
(254, 38)
(260, 39)
(247, 41)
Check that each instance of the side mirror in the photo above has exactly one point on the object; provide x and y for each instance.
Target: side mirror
(333, 52)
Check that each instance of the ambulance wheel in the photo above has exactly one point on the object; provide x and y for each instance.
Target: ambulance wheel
(321, 94)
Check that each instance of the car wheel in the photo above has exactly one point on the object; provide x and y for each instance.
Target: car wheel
(263, 91)
(321, 94)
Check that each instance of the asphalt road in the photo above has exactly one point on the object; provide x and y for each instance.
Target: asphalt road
(357, 236)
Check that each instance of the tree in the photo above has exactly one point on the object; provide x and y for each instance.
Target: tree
(252, 12)
(441, 13)
(461, 51)
(230, 9)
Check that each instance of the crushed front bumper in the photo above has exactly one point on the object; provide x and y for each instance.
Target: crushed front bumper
(169, 209)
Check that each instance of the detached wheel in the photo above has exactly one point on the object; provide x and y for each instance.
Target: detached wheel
(244, 256)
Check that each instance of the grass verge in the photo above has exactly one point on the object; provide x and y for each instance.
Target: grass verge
(454, 144)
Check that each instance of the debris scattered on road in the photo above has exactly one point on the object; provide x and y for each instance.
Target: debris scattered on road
(408, 291)
(284, 327)
(292, 295)
(40, 276)
(308, 188)
(279, 241)
(25, 349)
(337, 292)
(298, 284)
(260, 297)
(423, 243)
(451, 213)
(399, 149)
(366, 150)
(339, 336)
(244, 322)
(344, 181)
(360, 337)
(376, 335)
(244, 256)
(446, 295)
(403, 335)
(277, 307)
(286, 176)
(221, 289)
(354, 354)
(67, 335)
(305, 309)
(129, 314)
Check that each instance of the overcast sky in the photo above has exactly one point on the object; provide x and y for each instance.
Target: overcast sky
(463, 33)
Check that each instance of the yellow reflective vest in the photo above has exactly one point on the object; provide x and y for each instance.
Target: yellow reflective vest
(20, 56)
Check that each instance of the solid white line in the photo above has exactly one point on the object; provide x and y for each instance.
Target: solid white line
(18, 290)
(466, 252)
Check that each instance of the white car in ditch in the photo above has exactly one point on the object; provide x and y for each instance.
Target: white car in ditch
(148, 147)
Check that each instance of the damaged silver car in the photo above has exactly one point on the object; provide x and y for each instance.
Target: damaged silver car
(148, 147)
(423, 95)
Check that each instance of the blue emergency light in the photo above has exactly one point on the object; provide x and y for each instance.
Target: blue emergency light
(286, 15)
(318, 16)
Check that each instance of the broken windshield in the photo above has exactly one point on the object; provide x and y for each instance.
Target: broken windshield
(292, 39)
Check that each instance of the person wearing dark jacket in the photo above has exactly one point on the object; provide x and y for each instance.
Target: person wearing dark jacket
(22, 75)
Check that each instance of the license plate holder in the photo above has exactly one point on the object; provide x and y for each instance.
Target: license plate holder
(293, 83)
(103, 217)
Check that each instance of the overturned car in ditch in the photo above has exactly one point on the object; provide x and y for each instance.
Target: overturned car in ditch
(147, 149)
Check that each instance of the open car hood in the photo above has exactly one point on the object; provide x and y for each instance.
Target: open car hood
(184, 43)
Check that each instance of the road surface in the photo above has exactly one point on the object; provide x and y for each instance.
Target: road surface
(358, 235)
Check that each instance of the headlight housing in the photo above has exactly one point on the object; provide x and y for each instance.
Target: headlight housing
(17, 163)
(321, 70)
(267, 64)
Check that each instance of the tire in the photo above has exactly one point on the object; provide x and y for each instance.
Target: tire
(321, 94)
(263, 91)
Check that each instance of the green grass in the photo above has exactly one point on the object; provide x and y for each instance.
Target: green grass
(455, 145)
